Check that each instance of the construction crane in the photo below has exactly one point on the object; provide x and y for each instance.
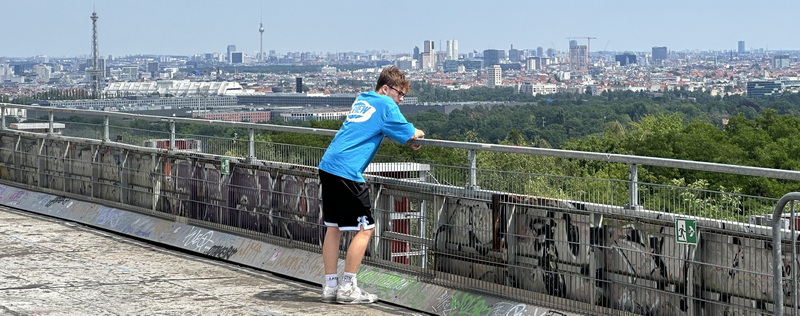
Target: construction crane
(588, 41)
(588, 59)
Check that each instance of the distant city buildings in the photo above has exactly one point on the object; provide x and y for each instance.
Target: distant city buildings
(514, 55)
(781, 61)
(579, 58)
(659, 55)
(492, 57)
(538, 88)
(625, 59)
(171, 87)
(334, 78)
(452, 49)
(495, 76)
(237, 57)
(758, 89)
(235, 116)
(229, 55)
(427, 59)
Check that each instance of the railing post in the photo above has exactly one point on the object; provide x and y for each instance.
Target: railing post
(473, 169)
(3, 114)
(50, 123)
(633, 187)
(171, 135)
(777, 260)
(794, 255)
(251, 146)
(106, 136)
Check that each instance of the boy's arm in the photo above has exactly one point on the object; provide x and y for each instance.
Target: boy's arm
(418, 133)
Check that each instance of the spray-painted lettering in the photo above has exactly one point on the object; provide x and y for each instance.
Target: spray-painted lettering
(222, 252)
(108, 217)
(392, 285)
(510, 309)
(468, 304)
(142, 227)
(59, 200)
(201, 241)
(17, 195)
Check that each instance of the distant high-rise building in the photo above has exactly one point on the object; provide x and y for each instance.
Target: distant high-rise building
(741, 47)
(579, 58)
(539, 51)
(237, 57)
(514, 55)
(101, 70)
(130, 73)
(298, 87)
(781, 61)
(531, 64)
(573, 43)
(42, 72)
(495, 76)
(492, 57)
(152, 68)
(6, 70)
(428, 63)
(659, 54)
(452, 49)
(406, 63)
(231, 49)
(625, 59)
(427, 46)
(551, 52)
(416, 53)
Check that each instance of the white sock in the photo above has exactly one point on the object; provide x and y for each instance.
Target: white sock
(331, 280)
(348, 279)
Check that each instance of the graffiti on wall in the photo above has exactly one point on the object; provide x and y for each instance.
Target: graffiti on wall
(300, 208)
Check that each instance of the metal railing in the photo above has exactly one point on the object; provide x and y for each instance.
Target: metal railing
(460, 225)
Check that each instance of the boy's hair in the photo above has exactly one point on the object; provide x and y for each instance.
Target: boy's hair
(393, 77)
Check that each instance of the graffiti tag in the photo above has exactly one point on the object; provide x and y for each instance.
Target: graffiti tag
(222, 252)
(108, 217)
(198, 239)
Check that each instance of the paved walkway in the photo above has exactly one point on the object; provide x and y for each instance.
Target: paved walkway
(52, 267)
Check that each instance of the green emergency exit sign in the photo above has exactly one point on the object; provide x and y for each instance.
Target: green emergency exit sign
(686, 231)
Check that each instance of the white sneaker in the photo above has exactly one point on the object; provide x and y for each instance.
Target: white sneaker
(354, 295)
(329, 293)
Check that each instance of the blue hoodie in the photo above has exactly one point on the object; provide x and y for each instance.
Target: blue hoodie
(371, 117)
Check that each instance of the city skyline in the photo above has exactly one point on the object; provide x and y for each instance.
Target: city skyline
(182, 27)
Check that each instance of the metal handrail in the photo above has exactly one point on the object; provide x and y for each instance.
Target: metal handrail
(631, 160)
(777, 271)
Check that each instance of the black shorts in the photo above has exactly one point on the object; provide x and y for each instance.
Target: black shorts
(345, 203)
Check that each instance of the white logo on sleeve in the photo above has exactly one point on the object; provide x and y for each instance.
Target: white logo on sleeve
(360, 112)
(363, 221)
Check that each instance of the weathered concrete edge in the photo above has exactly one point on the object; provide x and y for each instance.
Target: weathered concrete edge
(391, 286)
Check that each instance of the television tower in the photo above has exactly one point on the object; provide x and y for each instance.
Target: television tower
(94, 71)
(261, 30)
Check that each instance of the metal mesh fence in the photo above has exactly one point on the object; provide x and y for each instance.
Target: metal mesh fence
(564, 239)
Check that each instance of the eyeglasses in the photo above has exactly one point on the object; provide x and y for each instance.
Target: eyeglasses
(400, 93)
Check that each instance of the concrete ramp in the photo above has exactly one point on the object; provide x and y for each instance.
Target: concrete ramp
(391, 286)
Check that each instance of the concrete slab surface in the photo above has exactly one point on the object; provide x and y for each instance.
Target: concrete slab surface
(52, 267)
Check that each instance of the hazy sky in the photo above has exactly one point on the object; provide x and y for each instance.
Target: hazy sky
(62, 28)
